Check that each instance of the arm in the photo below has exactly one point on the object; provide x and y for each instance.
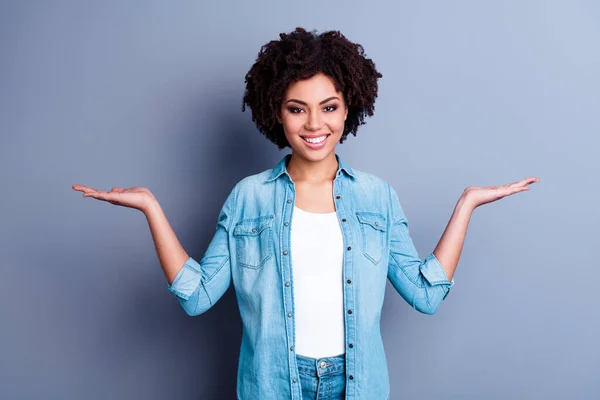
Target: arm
(423, 284)
(451, 243)
(198, 286)
(170, 253)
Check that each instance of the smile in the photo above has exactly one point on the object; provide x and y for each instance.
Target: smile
(315, 142)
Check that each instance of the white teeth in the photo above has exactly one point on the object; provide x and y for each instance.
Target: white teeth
(316, 140)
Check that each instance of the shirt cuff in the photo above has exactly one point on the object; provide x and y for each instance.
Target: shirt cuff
(187, 279)
(434, 273)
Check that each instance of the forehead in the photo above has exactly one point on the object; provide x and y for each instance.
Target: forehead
(317, 87)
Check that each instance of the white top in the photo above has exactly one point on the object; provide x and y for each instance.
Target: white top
(317, 255)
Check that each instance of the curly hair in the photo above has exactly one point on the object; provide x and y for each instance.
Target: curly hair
(300, 55)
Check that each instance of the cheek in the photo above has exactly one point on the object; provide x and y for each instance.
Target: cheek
(292, 125)
(336, 122)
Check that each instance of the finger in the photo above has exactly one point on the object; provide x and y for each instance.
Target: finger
(529, 181)
(507, 190)
(523, 182)
(117, 189)
(519, 189)
(103, 195)
(91, 193)
(515, 184)
(82, 188)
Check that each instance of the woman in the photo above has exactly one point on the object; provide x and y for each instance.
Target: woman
(310, 243)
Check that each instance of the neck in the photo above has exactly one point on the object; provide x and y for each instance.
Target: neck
(301, 169)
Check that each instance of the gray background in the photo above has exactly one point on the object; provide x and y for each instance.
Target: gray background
(110, 93)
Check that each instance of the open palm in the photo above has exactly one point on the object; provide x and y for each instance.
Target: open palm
(135, 197)
(477, 195)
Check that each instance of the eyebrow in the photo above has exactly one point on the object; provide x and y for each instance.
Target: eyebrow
(303, 103)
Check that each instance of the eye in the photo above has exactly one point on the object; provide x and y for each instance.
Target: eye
(331, 108)
(294, 110)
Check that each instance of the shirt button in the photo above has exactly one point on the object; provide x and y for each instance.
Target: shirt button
(292, 348)
(349, 248)
(349, 311)
(343, 219)
(289, 201)
(349, 281)
(286, 223)
(337, 197)
(289, 315)
(351, 345)
(351, 377)
(294, 380)
(285, 252)
(287, 284)
(253, 229)
(323, 364)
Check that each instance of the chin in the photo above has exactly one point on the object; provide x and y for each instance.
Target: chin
(323, 155)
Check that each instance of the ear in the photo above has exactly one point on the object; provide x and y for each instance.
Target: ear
(278, 116)
(346, 113)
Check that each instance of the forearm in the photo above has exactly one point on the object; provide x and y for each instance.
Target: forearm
(170, 253)
(451, 243)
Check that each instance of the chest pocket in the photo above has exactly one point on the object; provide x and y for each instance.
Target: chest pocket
(253, 239)
(373, 234)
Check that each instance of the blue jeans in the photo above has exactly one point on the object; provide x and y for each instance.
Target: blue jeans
(322, 378)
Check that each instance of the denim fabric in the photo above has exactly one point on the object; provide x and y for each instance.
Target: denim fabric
(322, 378)
(251, 248)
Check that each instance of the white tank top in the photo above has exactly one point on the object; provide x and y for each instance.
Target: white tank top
(317, 255)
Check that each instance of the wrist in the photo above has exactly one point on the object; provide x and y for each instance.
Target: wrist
(151, 207)
(465, 203)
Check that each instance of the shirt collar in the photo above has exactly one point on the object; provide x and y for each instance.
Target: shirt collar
(280, 168)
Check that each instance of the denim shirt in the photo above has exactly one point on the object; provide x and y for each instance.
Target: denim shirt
(251, 248)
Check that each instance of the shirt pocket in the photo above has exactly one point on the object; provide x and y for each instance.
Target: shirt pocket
(373, 234)
(253, 239)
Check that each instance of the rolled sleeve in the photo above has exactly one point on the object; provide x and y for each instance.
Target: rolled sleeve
(423, 284)
(199, 285)
(433, 271)
(187, 280)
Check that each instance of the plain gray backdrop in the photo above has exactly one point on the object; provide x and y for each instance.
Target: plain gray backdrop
(112, 93)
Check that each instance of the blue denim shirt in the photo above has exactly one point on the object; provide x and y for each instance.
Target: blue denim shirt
(251, 248)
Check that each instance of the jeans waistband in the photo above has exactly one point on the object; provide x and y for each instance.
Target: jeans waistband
(321, 366)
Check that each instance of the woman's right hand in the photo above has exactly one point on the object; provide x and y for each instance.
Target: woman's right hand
(136, 197)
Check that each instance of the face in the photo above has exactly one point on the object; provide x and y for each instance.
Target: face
(312, 114)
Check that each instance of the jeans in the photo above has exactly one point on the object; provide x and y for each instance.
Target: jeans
(322, 378)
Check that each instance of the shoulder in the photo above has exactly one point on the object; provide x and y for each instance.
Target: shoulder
(371, 182)
(377, 191)
(252, 185)
(368, 178)
(254, 181)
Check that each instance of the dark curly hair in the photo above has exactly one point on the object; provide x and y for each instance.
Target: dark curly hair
(300, 55)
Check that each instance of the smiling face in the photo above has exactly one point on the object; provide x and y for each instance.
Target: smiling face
(312, 114)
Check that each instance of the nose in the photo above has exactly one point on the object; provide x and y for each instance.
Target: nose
(313, 122)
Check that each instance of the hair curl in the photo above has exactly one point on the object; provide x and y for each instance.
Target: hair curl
(300, 55)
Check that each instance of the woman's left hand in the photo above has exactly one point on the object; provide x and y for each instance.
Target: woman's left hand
(476, 195)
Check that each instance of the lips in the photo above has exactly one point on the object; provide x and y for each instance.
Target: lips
(315, 145)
